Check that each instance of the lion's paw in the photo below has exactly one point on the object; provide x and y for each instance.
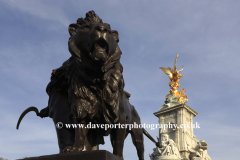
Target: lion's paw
(69, 149)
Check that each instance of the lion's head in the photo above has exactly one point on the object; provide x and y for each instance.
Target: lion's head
(92, 37)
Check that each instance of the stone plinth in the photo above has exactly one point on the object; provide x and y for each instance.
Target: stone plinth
(172, 157)
(178, 114)
(84, 155)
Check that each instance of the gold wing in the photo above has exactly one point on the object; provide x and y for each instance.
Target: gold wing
(167, 71)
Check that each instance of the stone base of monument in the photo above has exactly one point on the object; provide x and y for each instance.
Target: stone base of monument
(84, 155)
(172, 157)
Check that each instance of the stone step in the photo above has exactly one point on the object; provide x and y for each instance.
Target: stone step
(84, 155)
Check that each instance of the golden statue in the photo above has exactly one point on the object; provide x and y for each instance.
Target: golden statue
(174, 77)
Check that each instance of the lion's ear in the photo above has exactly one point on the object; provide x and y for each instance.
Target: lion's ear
(115, 35)
(72, 29)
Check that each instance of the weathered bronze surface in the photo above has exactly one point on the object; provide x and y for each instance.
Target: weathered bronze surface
(88, 87)
(174, 77)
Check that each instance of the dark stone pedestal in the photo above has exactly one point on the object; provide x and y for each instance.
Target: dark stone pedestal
(85, 155)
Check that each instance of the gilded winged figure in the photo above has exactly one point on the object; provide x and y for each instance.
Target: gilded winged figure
(174, 76)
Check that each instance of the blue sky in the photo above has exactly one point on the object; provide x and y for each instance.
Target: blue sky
(34, 36)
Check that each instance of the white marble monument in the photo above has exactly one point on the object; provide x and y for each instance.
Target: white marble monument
(176, 125)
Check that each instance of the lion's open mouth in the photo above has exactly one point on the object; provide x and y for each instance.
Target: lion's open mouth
(100, 46)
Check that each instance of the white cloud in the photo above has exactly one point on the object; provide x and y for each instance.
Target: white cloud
(40, 9)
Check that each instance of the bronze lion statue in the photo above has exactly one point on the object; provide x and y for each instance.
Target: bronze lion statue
(88, 88)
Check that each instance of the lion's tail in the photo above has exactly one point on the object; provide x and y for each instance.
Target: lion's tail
(150, 137)
(43, 113)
